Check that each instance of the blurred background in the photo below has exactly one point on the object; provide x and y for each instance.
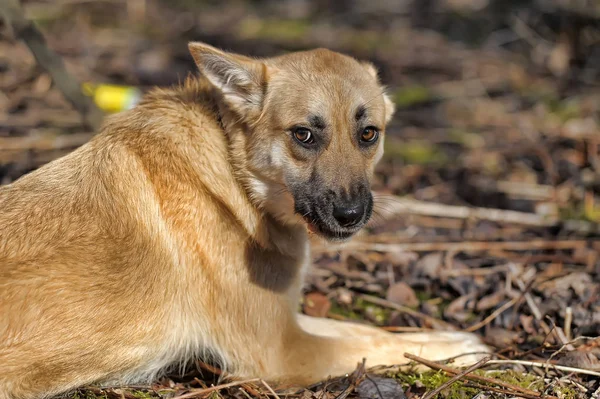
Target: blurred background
(488, 208)
(498, 101)
(488, 196)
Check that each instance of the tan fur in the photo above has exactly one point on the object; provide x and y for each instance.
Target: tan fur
(172, 235)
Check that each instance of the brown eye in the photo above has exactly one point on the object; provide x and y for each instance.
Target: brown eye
(369, 135)
(303, 135)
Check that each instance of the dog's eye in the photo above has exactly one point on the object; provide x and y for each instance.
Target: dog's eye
(303, 135)
(369, 135)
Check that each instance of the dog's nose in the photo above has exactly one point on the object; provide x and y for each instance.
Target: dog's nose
(348, 216)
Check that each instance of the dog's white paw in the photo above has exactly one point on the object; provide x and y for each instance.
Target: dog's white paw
(464, 348)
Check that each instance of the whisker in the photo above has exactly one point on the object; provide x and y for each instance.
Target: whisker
(375, 96)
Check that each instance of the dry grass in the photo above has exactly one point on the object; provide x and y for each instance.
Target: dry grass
(488, 205)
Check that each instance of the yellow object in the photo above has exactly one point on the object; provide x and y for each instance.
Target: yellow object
(113, 98)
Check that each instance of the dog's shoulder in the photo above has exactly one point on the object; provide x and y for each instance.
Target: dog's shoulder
(174, 111)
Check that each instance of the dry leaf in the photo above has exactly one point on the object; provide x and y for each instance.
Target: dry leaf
(579, 282)
(430, 265)
(501, 337)
(374, 387)
(490, 301)
(582, 360)
(402, 294)
(459, 309)
(316, 304)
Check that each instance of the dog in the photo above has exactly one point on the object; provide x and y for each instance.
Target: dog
(181, 231)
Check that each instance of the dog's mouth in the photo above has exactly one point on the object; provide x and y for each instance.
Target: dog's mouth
(334, 217)
(315, 225)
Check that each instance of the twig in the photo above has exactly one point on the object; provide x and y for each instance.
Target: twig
(562, 337)
(63, 120)
(506, 392)
(474, 272)
(243, 391)
(568, 321)
(596, 394)
(355, 378)
(569, 380)
(535, 310)
(457, 377)
(465, 246)
(51, 62)
(395, 205)
(475, 377)
(46, 142)
(494, 314)
(526, 190)
(269, 388)
(570, 344)
(405, 329)
(546, 366)
(382, 302)
(197, 392)
(211, 369)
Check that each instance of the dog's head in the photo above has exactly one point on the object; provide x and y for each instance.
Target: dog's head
(313, 129)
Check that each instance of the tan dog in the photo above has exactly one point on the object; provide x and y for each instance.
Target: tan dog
(180, 231)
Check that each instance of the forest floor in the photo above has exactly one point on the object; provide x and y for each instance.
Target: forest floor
(488, 196)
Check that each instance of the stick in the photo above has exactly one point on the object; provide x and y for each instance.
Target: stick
(495, 314)
(45, 142)
(51, 62)
(269, 388)
(457, 377)
(500, 390)
(382, 302)
(394, 205)
(405, 329)
(197, 392)
(452, 246)
(547, 365)
(568, 321)
(475, 377)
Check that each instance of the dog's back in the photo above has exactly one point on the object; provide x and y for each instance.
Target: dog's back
(88, 240)
(180, 230)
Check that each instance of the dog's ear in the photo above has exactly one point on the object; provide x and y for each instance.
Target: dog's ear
(240, 79)
(390, 107)
(370, 68)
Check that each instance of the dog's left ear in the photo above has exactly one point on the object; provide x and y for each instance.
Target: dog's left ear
(390, 107)
(240, 79)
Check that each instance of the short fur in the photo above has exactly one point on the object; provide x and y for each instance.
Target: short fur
(180, 231)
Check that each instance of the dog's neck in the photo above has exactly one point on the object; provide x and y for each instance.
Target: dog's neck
(287, 238)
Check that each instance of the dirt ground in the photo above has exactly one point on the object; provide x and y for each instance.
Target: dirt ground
(488, 197)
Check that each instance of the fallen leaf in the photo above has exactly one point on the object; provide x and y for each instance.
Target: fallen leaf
(527, 324)
(402, 294)
(430, 265)
(374, 387)
(579, 282)
(401, 258)
(316, 304)
(344, 296)
(490, 301)
(460, 308)
(501, 337)
(582, 360)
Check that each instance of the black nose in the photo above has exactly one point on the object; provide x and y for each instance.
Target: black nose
(348, 216)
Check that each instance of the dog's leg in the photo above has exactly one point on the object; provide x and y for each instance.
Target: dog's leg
(435, 345)
(318, 348)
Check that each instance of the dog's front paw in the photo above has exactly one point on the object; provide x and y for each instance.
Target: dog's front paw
(463, 348)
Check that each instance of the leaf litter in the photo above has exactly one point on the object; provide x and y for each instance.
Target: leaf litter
(487, 200)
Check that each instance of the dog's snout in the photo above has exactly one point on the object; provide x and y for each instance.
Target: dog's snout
(349, 215)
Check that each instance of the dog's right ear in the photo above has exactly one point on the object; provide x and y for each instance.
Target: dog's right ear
(390, 107)
(240, 79)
